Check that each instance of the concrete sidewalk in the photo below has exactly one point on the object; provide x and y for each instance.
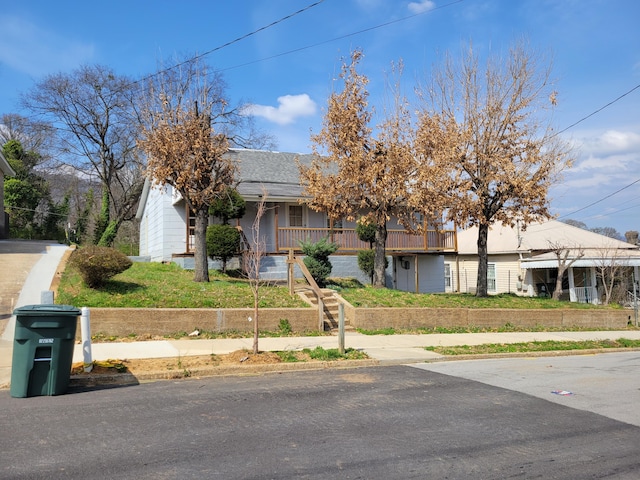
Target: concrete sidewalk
(396, 349)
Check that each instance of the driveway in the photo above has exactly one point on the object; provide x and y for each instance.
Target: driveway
(606, 384)
(17, 258)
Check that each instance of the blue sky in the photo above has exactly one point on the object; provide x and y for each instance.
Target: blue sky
(287, 70)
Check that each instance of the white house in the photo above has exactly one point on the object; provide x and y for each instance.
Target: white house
(166, 228)
(5, 169)
(522, 261)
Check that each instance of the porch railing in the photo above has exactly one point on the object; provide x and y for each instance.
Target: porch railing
(347, 239)
(586, 294)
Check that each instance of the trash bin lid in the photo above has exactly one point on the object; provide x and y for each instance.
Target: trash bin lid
(47, 310)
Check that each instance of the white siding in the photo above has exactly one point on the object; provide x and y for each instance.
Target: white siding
(162, 227)
(509, 277)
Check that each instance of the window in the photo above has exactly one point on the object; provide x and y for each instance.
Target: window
(491, 277)
(447, 275)
(295, 216)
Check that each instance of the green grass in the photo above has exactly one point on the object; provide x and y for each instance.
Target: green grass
(156, 285)
(508, 327)
(330, 354)
(369, 297)
(547, 346)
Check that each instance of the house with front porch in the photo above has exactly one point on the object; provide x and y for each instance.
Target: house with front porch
(522, 260)
(5, 169)
(416, 262)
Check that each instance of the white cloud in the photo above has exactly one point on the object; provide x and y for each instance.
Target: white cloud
(422, 6)
(611, 163)
(290, 107)
(29, 49)
(611, 142)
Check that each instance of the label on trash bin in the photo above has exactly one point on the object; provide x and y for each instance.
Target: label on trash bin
(45, 340)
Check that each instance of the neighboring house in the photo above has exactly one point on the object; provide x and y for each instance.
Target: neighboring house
(522, 261)
(166, 228)
(5, 169)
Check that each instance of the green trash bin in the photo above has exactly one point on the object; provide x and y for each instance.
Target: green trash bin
(43, 349)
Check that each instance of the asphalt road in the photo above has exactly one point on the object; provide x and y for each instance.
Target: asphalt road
(368, 423)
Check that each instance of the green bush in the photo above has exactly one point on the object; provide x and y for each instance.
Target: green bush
(229, 205)
(317, 259)
(223, 243)
(366, 262)
(98, 264)
(366, 231)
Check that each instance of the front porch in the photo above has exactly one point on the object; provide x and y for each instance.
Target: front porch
(398, 240)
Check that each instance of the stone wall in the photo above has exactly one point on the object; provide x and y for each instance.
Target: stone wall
(376, 318)
(122, 322)
(166, 321)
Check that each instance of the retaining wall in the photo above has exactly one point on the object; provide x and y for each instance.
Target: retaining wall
(375, 318)
(166, 321)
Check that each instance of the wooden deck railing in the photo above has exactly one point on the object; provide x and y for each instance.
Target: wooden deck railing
(347, 239)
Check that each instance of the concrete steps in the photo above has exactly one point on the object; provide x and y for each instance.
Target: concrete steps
(331, 305)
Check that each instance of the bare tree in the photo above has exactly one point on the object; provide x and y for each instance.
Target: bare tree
(484, 128)
(33, 135)
(94, 110)
(356, 173)
(252, 260)
(610, 267)
(562, 253)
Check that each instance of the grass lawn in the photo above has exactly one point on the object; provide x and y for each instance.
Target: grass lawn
(368, 297)
(156, 285)
(547, 346)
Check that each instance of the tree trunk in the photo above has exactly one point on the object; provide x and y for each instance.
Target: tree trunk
(483, 260)
(256, 330)
(558, 290)
(109, 234)
(104, 217)
(201, 272)
(380, 259)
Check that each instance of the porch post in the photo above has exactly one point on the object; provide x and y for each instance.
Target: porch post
(595, 299)
(277, 228)
(187, 237)
(572, 285)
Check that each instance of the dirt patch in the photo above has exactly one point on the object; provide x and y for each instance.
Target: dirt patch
(183, 365)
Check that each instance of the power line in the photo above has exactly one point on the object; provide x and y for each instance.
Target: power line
(342, 37)
(597, 111)
(227, 44)
(602, 199)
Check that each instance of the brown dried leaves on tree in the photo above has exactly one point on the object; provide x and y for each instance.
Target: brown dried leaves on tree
(356, 174)
(183, 148)
(484, 129)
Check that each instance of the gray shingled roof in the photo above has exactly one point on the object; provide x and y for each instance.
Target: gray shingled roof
(277, 172)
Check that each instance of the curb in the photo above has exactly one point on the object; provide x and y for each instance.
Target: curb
(549, 353)
(128, 379)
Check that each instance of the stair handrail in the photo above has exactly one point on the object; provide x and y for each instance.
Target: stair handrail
(291, 260)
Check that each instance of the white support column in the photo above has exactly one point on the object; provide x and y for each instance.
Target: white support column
(594, 286)
(572, 285)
